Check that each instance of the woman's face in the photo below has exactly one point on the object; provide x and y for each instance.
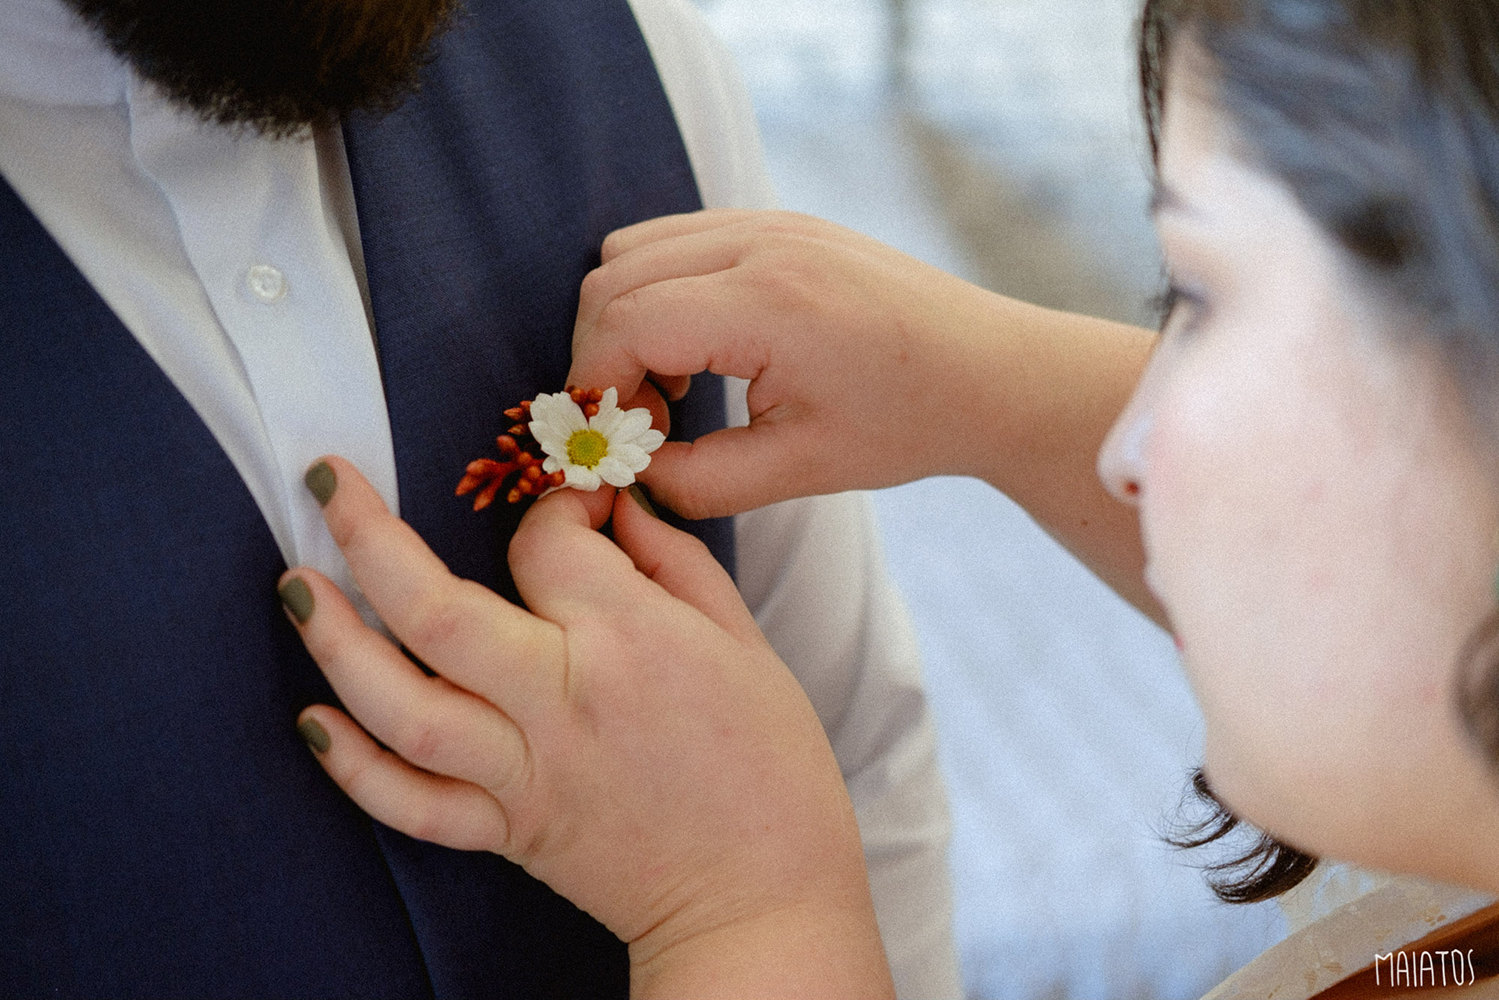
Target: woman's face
(1319, 519)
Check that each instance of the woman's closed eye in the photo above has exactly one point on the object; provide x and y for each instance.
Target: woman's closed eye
(1180, 308)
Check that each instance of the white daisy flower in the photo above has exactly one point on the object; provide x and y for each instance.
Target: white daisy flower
(611, 446)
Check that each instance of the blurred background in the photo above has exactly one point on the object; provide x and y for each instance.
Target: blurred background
(1000, 140)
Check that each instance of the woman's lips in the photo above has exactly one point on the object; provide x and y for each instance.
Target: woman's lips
(1150, 586)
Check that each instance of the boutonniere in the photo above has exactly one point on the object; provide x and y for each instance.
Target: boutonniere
(579, 439)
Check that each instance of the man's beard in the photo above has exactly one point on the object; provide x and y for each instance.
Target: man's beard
(276, 66)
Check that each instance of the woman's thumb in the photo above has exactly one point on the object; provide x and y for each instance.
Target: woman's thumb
(681, 565)
(726, 472)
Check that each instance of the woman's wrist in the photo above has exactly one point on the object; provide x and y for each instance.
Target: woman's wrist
(1039, 390)
(1036, 387)
(815, 948)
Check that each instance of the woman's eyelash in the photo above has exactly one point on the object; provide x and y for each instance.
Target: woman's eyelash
(1163, 304)
(1173, 298)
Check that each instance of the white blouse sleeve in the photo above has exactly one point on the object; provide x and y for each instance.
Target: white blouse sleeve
(813, 573)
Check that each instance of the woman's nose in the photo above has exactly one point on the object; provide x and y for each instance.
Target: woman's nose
(1120, 461)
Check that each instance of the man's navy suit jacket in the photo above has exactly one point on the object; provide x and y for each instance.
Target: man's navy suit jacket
(163, 830)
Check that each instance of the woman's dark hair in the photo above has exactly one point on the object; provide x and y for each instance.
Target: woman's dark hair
(1263, 869)
(1382, 118)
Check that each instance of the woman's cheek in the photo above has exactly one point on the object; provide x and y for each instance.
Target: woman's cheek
(1214, 526)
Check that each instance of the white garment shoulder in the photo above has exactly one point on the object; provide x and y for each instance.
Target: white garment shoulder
(711, 105)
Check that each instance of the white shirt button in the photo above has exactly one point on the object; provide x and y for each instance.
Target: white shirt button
(267, 282)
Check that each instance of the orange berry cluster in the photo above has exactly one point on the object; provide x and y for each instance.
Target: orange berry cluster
(588, 399)
(518, 453)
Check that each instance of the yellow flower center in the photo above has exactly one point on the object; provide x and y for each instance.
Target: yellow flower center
(587, 448)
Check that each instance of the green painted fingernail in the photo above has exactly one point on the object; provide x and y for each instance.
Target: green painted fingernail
(315, 735)
(297, 597)
(322, 481)
(638, 495)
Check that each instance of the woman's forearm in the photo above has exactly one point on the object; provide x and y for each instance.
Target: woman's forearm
(1041, 389)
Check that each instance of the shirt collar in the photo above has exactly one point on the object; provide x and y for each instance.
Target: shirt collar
(49, 56)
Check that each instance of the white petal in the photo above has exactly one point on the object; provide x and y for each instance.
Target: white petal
(558, 410)
(542, 408)
(607, 422)
(650, 440)
(610, 400)
(614, 472)
(552, 464)
(627, 448)
(580, 478)
(633, 457)
(607, 404)
(573, 419)
(549, 431)
(554, 447)
(633, 424)
(544, 420)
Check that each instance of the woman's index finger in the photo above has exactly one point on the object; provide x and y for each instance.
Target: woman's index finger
(459, 628)
(564, 568)
(628, 238)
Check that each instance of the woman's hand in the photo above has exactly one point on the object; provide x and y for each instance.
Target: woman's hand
(856, 353)
(631, 740)
(867, 368)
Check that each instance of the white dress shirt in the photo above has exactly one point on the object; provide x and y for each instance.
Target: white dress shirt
(235, 261)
